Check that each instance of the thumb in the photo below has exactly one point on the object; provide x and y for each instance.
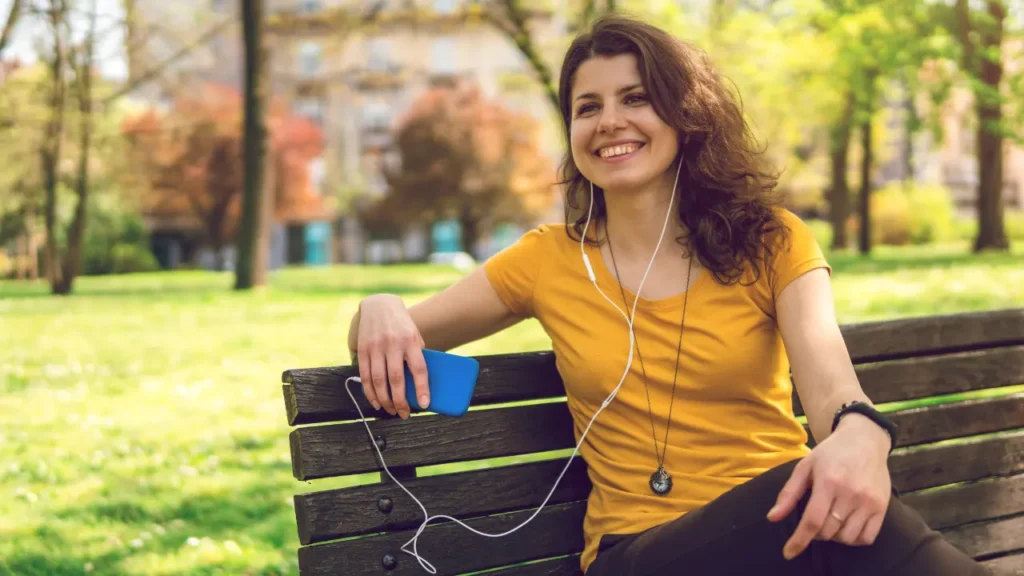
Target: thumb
(791, 493)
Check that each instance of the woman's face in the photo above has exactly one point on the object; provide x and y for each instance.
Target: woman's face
(618, 142)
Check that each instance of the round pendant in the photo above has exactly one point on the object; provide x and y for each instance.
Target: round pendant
(661, 482)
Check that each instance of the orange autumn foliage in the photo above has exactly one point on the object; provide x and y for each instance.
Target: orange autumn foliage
(190, 158)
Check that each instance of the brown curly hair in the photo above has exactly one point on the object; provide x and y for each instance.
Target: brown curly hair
(726, 196)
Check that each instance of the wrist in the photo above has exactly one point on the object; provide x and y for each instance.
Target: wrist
(863, 428)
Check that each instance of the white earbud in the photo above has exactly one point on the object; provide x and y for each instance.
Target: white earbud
(629, 321)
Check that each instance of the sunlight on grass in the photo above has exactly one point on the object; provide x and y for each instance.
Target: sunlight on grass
(143, 423)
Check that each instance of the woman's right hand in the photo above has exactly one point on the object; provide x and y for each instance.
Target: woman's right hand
(388, 339)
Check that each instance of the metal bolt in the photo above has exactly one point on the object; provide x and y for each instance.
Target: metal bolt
(389, 562)
(381, 442)
(385, 504)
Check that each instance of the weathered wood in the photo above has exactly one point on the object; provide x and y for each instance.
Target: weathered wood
(1005, 535)
(317, 394)
(555, 531)
(1012, 565)
(928, 467)
(353, 511)
(339, 513)
(564, 566)
(927, 335)
(964, 503)
(338, 449)
(926, 377)
(959, 420)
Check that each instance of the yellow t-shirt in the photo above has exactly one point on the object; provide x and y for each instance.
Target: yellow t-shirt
(732, 417)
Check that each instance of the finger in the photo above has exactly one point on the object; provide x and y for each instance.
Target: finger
(811, 522)
(871, 529)
(379, 376)
(366, 380)
(418, 369)
(396, 377)
(854, 526)
(837, 517)
(791, 492)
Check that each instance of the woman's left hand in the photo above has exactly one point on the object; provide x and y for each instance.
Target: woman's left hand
(850, 488)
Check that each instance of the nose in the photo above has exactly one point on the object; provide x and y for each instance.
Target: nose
(611, 119)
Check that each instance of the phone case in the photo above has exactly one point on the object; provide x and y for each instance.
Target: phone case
(451, 379)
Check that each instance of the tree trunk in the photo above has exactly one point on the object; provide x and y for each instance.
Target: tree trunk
(910, 128)
(839, 200)
(30, 240)
(250, 269)
(991, 229)
(864, 242)
(51, 148)
(8, 29)
(519, 34)
(76, 233)
(470, 231)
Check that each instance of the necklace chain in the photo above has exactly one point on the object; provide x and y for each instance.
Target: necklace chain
(660, 455)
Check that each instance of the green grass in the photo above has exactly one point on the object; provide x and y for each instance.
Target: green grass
(142, 428)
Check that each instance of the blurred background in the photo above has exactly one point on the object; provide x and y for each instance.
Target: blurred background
(195, 195)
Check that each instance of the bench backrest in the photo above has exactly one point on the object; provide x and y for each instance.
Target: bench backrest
(960, 461)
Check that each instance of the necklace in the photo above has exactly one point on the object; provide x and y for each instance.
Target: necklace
(661, 480)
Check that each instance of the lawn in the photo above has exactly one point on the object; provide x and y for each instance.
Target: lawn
(143, 429)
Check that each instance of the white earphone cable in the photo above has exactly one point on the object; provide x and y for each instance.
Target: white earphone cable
(629, 320)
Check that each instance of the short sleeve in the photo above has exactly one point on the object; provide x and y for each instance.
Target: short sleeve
(514, 271)
(797, 254)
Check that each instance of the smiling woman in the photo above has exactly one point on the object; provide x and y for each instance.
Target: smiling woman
(693, 451)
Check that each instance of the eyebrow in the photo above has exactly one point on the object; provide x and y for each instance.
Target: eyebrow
(623, 90)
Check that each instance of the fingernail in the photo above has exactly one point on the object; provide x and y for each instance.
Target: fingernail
(424, 401)
(773, 510)
(375, 405)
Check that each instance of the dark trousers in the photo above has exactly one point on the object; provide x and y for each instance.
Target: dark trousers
(732, 536)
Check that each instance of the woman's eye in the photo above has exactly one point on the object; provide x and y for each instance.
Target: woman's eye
(586, 108)
(636, 99)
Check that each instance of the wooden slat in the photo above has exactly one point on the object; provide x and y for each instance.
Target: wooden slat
(354, 511)
(1012, 565)
(1005, 535)
(928, 335)
(339, 449)
(926, 377)
(959, 420)
(565, 566)
(555, 531)
(317, 394)
(965, 503)
(928, 467)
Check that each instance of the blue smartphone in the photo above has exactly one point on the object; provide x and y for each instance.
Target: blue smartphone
(451, 379)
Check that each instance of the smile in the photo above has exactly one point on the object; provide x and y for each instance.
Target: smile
(619, 150)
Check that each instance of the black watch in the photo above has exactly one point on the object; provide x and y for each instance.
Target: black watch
(869, 411)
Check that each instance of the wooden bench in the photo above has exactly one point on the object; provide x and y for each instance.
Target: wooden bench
(960, 462)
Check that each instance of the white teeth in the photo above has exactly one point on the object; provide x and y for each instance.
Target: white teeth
(620, 150)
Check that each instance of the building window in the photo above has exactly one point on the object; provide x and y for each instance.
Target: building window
(310, 109)
(377, 116)
(309, 6)
(309, 59)
(377, 54)
(442, 56)
(444, 6)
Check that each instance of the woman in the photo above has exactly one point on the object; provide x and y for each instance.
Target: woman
(698, 464)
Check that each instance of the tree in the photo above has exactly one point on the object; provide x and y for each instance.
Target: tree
(980, 33)
(7, 30)
(192, 161)
(253, 241)
(464, 157)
